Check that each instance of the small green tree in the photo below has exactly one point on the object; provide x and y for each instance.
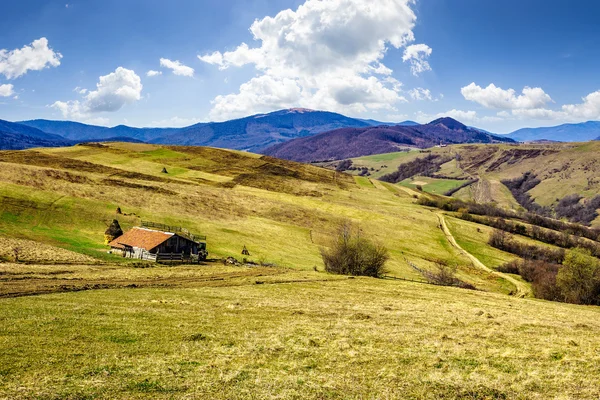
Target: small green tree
(352, 254)
(579, 277)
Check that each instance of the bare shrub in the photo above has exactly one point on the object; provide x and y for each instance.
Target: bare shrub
(352, 254)
(445, 275)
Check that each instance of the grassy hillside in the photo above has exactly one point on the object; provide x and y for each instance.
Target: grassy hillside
(282, 212)
(79, 323)
(563, 168)
(299, 335)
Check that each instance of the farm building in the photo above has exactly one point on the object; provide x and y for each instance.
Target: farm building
(161, 243)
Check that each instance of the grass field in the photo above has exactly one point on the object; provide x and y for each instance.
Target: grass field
(282, 212)
(289, 338)
(78, 323)
(432, 185)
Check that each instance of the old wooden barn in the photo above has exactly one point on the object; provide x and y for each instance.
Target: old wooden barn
(160, 243)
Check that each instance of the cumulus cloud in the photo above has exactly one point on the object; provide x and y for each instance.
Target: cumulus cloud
(6, 90)
(113, 91)
(327, 54)
(589, 109)
(497, 98)
(33, 57)
(417, 55)
(152, 73)
(177, 67)
(531, 104)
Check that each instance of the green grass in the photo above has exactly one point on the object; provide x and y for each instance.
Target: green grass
(432, 185)
(296, 340)
(215, 331)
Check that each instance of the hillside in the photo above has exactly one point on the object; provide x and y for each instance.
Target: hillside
(282, 211)
(355, 142)
(563, 169)
(581, 132)
(222, 331)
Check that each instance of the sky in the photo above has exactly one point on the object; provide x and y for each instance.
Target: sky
(497, 65)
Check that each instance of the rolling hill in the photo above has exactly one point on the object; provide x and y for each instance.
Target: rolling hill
(355, 142)
(223, 331)
(582, 132)
(562, 169)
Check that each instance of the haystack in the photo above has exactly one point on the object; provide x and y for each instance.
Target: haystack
(113, 232)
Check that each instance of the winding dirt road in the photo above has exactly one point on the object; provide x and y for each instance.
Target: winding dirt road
(522, 289)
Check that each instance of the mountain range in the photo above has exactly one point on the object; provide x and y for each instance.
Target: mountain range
(257, 133)
(582, 132)
(355, 142)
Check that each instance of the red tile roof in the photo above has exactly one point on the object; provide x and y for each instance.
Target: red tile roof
(139, 237)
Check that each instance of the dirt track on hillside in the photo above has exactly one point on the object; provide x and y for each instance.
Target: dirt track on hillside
(522, 290)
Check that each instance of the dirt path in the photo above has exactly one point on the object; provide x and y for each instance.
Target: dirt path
(522, 289)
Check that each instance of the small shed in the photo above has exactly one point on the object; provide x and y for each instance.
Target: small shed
(157, 245)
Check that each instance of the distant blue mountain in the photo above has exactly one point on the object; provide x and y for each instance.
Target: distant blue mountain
(14, 136)
(257, 132)
(254, 133)
(83, 132)
(582, 132)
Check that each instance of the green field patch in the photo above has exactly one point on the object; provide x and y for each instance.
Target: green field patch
(363, 181)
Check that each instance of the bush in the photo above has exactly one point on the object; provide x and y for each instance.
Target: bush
(503, 241)
(579, 278)
(541, 274)
(352, 254)
(344, 165)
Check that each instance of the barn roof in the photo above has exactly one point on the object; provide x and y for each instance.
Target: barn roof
(142, 238)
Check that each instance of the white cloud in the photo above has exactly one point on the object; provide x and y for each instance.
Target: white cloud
(113, 91)
(531, 104)
(327, 54)
(420, 94)
(34, 57)
(152, 73)
(589, 109)
(177, 67)
(417, 55)
(497, 98)
(176, 122)
(6, 90)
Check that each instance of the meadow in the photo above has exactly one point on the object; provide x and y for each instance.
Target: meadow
(303, 335)
(78, 323)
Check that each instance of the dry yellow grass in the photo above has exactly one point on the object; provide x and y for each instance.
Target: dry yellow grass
(341, 338)
(36, 252)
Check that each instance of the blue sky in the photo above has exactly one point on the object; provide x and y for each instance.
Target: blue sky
(498, 65)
